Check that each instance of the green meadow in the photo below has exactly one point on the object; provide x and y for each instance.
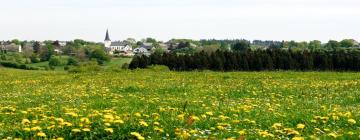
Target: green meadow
(158, 104)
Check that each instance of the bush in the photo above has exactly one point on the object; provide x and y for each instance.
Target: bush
(54, 62)
(66, 68)
(100, 56)
(3, 57)
(91, 66)
(17, 65)
(34, 59)
(72, 61)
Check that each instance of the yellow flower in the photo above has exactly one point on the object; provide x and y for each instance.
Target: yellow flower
(220, 127)
(297, 138)
(195, 118)
(180, 117)
(60, 138)
(76, 130)
(25, 122)
(210, 113)
(300, 126)
(110, 130)
(41, 134)
(119, 121)
(264, 134)
(85, 120)
(143, 123)
(86, 129)
(27, 129)
(156, 123)
(50, 127)
(242, 132)
(157, 129)
(36, 128)
(334, 135)
(137, 135)
(66, 124)
(276, 125)
(137, 114)
(351, 121)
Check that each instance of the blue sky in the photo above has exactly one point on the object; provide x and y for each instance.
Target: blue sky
(300, 20)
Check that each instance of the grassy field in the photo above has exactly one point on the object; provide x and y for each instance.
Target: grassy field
(146, 104)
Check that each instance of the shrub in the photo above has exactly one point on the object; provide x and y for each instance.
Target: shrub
(54, 62)
(17, 65)
(34, 59)
(91, 66)
(3, 57)
(72, 61)
(66, 68)
(100, 56)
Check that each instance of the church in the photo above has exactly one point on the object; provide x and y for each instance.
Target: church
(117, 47)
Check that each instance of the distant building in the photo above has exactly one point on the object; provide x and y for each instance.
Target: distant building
(117, 47)
(59, 46)
(140, 50)
(10, 47)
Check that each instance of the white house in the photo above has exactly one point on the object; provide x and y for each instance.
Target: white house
(10, 47)
(117, 46)
(140, 50)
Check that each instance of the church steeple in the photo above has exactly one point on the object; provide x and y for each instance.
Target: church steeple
(107, 37)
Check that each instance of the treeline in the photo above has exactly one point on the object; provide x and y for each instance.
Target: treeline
(255, 60)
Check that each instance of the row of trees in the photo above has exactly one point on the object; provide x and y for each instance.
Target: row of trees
(255, 60)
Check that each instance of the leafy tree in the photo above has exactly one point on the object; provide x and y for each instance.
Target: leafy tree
(36, 47)
(314, 45)
(332, 44)
(243, 45)
(347, 43)
(72, 61)
(100, 56)
(16, 41)
(54, 62)
(34, 59)
(46, 52)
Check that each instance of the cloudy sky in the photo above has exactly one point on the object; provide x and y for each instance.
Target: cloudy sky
(300, 20)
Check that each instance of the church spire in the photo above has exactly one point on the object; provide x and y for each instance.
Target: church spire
(107, 37)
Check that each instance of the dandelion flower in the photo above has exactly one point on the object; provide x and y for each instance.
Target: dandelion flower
(297, 138)
(25, 122)
(137, 135)
(86, 129)
(109, 130)
(300, 126)
(41, 134)
(351, 121)
(143, 123)
(27, 129)
(76, 130)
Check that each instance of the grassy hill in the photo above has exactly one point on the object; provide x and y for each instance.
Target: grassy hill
(179, 105)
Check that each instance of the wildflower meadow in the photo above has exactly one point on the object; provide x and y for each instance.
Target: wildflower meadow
(150, 104)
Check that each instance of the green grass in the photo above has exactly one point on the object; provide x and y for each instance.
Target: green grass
(63, 59)
(117, 62)
(179, 105)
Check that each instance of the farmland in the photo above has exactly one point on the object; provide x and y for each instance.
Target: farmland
(151, 104)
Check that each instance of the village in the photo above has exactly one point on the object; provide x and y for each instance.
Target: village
(128, 47)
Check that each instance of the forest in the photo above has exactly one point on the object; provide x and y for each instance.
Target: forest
(255, 60)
